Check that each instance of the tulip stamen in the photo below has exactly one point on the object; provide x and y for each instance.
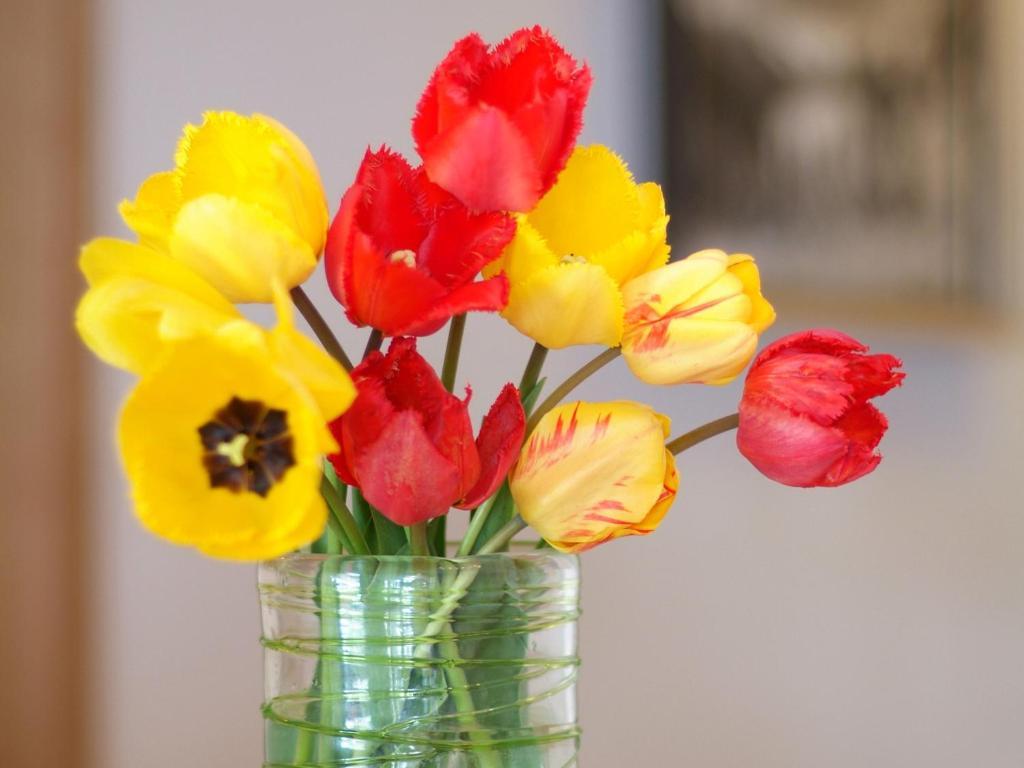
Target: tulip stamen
(405, 256)
(247, 447)
(572, 258)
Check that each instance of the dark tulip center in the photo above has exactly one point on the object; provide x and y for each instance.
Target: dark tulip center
(246, 447)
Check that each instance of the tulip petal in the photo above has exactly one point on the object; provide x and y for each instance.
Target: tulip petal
(864, 426)
(251, 160)
(693, 350)
(460, 244)
(525, 255)
(239, 248)
(485, 161)
(141, 299)
(762, 314)
(792, 450)
(481, 296)
(611, 211)
(403, 475)
(151, 214)
(498, 444)
(566, 304)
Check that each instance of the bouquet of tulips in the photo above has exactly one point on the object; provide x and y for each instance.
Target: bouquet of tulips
(247, 443)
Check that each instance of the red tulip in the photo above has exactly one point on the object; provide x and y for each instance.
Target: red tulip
(402, 254)
(495, 126)
(805, 419)
(408, 443)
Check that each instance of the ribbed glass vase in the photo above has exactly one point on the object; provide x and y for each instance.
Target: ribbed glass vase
(421, 662)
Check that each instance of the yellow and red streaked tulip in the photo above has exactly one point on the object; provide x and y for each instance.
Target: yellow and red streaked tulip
(805, 419)
(243, 207)
(592, 232)
(592, 472)
(496, 125)
(696, 320)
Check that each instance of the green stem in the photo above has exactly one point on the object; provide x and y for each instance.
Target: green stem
(419, 544)
(533, 367)
(320, 327)
(341, 521)
(700, 434)
(567, 386)
(476, 525)
(504, 535)
(373, 342)
(458, 686)
(456, 330)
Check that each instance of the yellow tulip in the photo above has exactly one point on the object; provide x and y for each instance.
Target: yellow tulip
(244, 206)
(223, 448)
(141, 302)
(593, 231)
(696, 320)
(592, 472)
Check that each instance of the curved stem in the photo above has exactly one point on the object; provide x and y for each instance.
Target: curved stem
(373, 342)
(320, 327)
(700, 434)
(533, 368)
(570, 384)
(499, 540)
(451, 352)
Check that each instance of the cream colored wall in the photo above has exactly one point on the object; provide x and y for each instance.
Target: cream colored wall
(879, 625)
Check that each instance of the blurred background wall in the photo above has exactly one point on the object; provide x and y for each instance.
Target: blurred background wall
(880, 624)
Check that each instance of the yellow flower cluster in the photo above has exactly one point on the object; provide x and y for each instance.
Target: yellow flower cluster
(223, 437)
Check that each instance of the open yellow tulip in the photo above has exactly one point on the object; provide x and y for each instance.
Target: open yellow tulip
(594, 230)
(224, 447)
(244, 206)
(592, 472)
(696, 320)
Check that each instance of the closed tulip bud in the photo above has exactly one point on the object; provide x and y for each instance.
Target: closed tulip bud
(805, 419)
(695, 320)
(243, 207)
(593, 472)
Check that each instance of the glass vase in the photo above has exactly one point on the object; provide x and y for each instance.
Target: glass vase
(421, 662)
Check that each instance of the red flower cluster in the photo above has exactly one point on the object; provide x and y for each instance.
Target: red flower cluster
(408, 444)
(805, 419)
(494, 128)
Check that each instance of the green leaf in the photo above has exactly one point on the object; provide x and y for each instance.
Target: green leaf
(383, 536)
(502, 511)
(360, 509)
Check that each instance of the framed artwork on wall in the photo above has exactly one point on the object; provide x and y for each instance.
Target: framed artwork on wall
(848, 144)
